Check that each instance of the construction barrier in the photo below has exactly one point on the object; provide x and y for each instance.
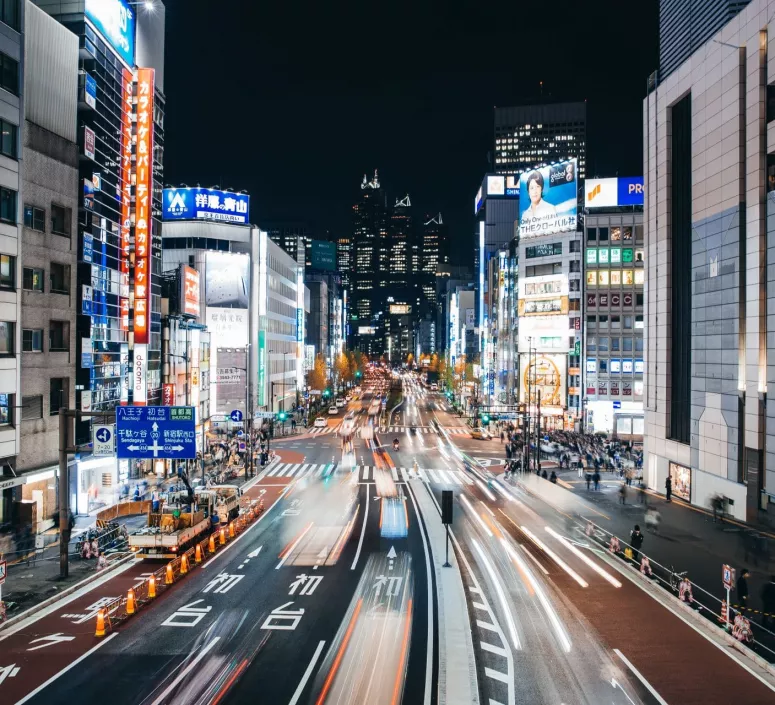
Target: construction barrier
(142, 593)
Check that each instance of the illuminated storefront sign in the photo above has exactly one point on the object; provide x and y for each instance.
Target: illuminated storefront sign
(89, 143)
(261, 368)
(544, 374)
(205, 204)
(115, 21)
(125, 194)
(140, 375)
(189, 290)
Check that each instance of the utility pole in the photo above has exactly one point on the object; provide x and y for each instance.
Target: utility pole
(538, 434)
(67, 446)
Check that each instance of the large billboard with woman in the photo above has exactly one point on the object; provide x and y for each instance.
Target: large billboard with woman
(548, 199)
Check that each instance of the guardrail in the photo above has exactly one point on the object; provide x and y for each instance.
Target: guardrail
(148, 589)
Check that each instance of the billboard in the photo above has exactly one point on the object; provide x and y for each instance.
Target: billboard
(548, 199)
(400, 309)
(496, 185)
(90, 91)
(231, 380)
(89, 143)
(227, 280)
(189, 291)
(228, 326)
(205, 204)
(612, 193)
(115, 21)
(544, 374)
(478, 201)
(323, 255)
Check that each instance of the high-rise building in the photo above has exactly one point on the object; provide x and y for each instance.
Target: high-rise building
(528, 136)
(400, 240)
(685, 25)
(369, 269)
(287, 236)
(434, 252)
(344, 259)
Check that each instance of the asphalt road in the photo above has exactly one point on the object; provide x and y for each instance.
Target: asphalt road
(313, 604)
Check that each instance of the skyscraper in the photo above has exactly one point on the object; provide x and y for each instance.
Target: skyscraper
(434, 252)
(685, 25)
(344, 261)
(533, 135)
(287, 234)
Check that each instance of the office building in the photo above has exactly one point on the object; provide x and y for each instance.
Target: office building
(434, 253)
(709, 221)
(534, 135)
(685, 25)
(344, 249)
(613, 305)
(288, 234)
(324, 327)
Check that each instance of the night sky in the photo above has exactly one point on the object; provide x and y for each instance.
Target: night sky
(295, 101)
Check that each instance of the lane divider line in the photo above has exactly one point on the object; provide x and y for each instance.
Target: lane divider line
(307, 674)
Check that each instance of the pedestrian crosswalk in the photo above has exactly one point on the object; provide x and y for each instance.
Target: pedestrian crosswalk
(369, 473)
(323, 431)
(452, 430)
(404, 429)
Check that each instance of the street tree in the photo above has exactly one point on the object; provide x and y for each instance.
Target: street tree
(316, 377)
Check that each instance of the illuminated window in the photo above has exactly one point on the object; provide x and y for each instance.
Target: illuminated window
(602, 278)
(616, 277)
(640, 276)
(627, 277)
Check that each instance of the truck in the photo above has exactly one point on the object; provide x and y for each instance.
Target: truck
(187, 516)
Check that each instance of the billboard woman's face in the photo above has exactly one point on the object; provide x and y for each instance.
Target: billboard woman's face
(535, 192)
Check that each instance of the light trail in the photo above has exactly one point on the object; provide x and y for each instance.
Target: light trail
(289, 549)
(475, 515)
(607, 576)
(335, 666)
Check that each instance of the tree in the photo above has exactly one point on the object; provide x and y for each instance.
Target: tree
(434, 364)
(410, 360)
(316, 377)
(342, 368)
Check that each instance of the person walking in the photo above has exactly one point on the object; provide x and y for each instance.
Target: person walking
(742, 588)
(768, 603)
(668, 488)
(553, 477)
(589, 480)
(596, 480)
(636, 541)
(623, 494)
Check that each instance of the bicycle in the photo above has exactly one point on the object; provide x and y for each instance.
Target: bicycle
(676, 578)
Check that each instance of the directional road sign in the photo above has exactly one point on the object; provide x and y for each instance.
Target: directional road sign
(155, 432)
(236, 415)
(104, 439)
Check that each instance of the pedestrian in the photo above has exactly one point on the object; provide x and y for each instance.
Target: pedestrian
(596, 480)
(623, 493)
(543, 474)
(589, 480)
(768, 603)
(553, 477)
(742, 588)
(136, 495)
(155, 501)
(668, 488)
(636, 541)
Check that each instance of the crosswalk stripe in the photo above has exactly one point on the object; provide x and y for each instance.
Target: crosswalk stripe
(275, 469)
(365, 472)
(303, 470)
(292, 470)
(433, 476)
(443, 476)
(455, 478)
(320, 469)
(422, 474)
(465, 477)
(394, 472)
(404, 475)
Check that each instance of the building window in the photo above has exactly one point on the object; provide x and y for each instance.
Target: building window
(9, 13)
(57, 396)
(602, 344)
(9, 138)
(771, 102)
(60, 220)
(7, 272)
(59, 336)
(575, 265)
(592, 321)
(6, 409)
(34, 218)
(7, 205)
(60, 278)
(628, 322)
(32, 340)
(575, 246)
(9, 74)
(32, 279)
(603, 234)
(32, 408)
(614, 344)
(603, 365)
(616, 322)
(591, 344)
(639, 299)
(7, 331)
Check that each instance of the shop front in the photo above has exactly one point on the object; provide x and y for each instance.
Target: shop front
(681, 477)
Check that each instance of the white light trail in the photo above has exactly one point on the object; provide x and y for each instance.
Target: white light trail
(475, 515)
(610, 578)
(501, 596)
(548, 551)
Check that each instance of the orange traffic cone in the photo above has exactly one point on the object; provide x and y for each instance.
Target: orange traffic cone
(100, 623)
(130, 601)
(169, 579)
(152, 587)
(183, 564)
(211, 544)
(198, 553)
(222, 536)
(231, 530)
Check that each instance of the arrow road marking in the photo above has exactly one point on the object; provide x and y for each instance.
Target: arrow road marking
(50, 640)
(8, 671)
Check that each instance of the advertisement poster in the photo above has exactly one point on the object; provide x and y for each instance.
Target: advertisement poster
(140, 375)
(548, 200)
(168, 394)
(544, 373)
(115, 21)
(231, 379)
(682, 481)
(189, 291)
(89, 143)
(205, 204)
(227, 280)
(228, 326)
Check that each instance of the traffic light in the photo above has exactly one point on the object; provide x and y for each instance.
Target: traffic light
(485, 418)
(326, 393)
(357, 374)
(282, 416)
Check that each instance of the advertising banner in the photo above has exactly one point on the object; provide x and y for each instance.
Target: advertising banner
(115, 21)
(168, 394)
(89, 143)
(140, 375)
(544, 373)
(227, 280)
(228, 326)
(143, 186)
(682, 481)
(613, 193)
(189, 291)
(231, 380)
(548, 200)
(323, 255)
(261, 368)
(124, 192)
(90, 91)
(205, 204)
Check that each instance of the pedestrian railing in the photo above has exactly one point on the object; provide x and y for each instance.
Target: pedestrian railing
(761, 640)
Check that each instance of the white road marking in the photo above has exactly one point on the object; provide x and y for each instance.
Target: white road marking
(492, 648)
(293, 547)
(307, 674)
(204, 651)
(637, 673)
(497, 675)
(363, 531)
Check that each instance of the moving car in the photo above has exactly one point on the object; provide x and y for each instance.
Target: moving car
(340, 403)
(333, 410)
(320, 422)
(480, 434)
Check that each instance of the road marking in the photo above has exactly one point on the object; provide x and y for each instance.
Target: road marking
(497, 675)
(637, 673)
(534, 559)
(480, 606)
(486, 625)
(363, 530)
(307, 674)
(192, 615)
(83, 657)
(486, 646)
(293, 546)
(280, 613)
(274, 470)
(444, 477)
(186, 671)
(50, 640)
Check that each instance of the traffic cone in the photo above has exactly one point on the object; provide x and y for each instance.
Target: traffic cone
(211, 544)
(183, 564)
(169, 578)
(198, 553)
(231, 530)
(152, 587)
(222, 536)
(130, 601)
(100, 623)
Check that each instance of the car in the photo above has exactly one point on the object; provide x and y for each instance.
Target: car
(413, 429)
(434, 386)
(320, 422)
(333, 410)
(348, 398)
(340, 403)
(480, 434)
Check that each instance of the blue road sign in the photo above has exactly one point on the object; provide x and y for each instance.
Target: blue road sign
(155, 432)
(617, 405)
(236, 415)
(103, 435)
